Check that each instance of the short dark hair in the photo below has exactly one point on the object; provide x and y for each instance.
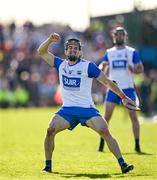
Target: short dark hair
(69, 41)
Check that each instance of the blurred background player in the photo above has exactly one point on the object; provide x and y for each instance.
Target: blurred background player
(120, 62)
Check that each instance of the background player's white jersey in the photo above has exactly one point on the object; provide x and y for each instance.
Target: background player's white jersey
(76, 82)
(118, 60)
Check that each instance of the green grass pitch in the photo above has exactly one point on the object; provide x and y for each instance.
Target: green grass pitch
(22, 133)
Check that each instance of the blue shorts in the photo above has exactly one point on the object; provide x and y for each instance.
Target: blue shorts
(114, 98)
(76, 115)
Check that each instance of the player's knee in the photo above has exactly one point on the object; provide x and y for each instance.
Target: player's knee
(51, 131)
(104, 131)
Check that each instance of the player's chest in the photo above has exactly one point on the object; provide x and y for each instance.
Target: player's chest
(117, 55)
(118, 60)
(76, 71)
(71, 77)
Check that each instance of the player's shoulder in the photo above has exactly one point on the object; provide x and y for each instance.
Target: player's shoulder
(129, 48)
(84, 61)
(56, 58)
(57, 62)
(111, 49)
(83, 64)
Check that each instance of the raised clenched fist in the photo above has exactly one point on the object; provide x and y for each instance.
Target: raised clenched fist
(54, 37)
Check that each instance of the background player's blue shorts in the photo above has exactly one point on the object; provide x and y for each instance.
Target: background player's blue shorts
(114, 98)
(76, 115)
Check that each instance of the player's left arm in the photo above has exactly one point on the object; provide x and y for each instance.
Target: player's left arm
(127, 102)
(112, 85)
(95, 72)
(138, 66)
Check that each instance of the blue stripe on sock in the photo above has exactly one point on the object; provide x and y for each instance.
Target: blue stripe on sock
(120, 161)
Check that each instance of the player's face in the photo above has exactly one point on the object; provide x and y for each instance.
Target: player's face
(119, 38)
(73, 52)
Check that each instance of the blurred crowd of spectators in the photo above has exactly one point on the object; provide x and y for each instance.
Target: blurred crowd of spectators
(26, 80)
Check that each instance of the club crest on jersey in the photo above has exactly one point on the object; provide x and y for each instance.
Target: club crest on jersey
(70, 71)
(119, 64)
(71, 83)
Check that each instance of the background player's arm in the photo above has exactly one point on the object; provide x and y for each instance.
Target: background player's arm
(43, 49)
(137, 68)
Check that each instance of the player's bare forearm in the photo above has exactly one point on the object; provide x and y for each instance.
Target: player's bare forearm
(107, 82)
(127, 102)
(43, 48)
(104, 68)
(138, 68)
(115, 88)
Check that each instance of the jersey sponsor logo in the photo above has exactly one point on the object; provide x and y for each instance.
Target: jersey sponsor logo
(71, 83)
(119, 64)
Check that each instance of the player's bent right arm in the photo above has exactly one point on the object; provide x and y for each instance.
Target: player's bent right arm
(107, 82)
(43, 49)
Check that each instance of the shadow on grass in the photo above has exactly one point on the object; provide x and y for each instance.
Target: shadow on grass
(91, 176)
(99, 176)
(130, 153)
(132, 175)
(140, 153)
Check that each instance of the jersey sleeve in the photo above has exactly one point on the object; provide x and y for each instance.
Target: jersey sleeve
(136, 58)
(105, 57)
(57, 62)
(93, 70)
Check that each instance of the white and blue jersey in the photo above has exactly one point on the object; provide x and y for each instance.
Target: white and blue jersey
(76, 85)
(118, 60)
